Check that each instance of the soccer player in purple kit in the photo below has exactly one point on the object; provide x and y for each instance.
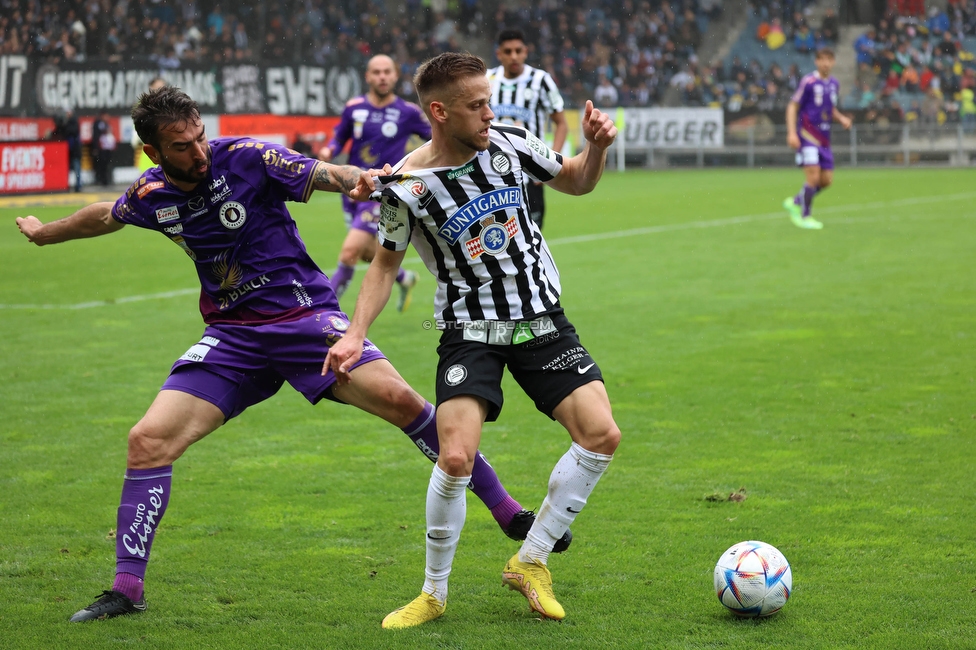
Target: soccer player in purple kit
(270, 313)
(379, 123)
(815, 101)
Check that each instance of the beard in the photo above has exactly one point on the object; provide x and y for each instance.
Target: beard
(473, 142)
(190, 175)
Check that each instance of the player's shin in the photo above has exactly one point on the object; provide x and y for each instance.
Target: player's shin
(484, 481)
(446, 510)
(145, 494)
(808, 193)
(341, 278)
(570, 484)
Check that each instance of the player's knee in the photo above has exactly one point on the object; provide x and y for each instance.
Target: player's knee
(403, 403)
(601, 439)
(150, 447)
(349, 256)
(455, 462)
(825, 182)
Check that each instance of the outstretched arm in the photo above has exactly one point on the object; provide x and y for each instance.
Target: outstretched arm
(91, 221)
(373, 296)
(354, 182)
(581, 173)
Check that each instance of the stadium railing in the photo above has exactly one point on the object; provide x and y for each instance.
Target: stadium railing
(863, 145)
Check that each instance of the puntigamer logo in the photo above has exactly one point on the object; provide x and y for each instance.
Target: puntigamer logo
(489, 203)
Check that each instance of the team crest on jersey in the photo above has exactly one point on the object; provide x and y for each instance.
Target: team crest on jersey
(170, 213)
(500, 162)
(339, 323)
(232, 215)
(389, 129)
(493, 239)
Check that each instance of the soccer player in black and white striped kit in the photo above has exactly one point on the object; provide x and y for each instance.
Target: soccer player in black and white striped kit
(528, 97)
(460, 200)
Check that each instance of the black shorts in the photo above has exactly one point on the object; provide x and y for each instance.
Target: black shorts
(548, 367)
(535, 193)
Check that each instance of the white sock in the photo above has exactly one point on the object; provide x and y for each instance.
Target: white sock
(446, 509)
(572, 480)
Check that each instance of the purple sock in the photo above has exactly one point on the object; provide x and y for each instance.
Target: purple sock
(145, 493)
(400, 275)
(808, 194)
(484, 482)
(341, 278)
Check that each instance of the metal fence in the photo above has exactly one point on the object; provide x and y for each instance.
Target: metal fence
(764, 145)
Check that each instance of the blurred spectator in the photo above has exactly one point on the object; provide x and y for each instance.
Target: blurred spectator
(103, 148)
(830, 26)
(910, 79)
(66, 129)
(865, 46)
(803, 40)
(938, 21)
(967, 109)
(605, 95)
(947, 47)
(867, 96)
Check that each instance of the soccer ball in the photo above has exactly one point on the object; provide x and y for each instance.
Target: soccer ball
(753, 579)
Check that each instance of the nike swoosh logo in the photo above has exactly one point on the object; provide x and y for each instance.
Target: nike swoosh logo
(582, 369)
(575, 512)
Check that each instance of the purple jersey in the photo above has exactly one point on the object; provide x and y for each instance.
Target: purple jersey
(816, 99)
(379, 135)
(253, 266)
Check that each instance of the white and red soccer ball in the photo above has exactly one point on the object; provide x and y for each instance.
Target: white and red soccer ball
(753, 579)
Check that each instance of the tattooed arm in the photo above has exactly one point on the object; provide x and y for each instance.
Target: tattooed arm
(354, 182)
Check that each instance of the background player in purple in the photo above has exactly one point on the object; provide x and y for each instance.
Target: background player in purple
(815, 101)
(379, 124)
(270, 313)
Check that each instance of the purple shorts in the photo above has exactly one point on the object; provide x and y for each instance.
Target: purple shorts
(812, 155)
(236, 366)
(361, 215)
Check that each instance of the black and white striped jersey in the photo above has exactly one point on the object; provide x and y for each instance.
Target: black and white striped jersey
(471, 227)
(528, 100)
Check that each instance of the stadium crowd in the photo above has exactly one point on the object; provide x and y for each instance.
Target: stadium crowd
(920, 65)
(623, 52)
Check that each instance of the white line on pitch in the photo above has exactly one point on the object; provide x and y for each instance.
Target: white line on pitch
(635, 232)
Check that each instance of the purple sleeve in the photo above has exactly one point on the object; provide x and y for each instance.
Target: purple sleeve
(420, 124)
(342, 132)
(801, 91)
(130, 207)
(290, 171)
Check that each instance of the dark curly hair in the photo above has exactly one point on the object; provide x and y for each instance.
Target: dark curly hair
(510, 35)
(160, 108)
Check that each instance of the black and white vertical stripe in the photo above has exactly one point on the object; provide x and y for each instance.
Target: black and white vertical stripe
(527, 100)
(517, 282)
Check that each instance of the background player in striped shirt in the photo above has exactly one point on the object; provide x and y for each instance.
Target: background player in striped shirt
(528, 97)
(379, 124)
(459, 199)
(815, 103)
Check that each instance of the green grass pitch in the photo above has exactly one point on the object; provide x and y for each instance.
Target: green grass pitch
(830, 374)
